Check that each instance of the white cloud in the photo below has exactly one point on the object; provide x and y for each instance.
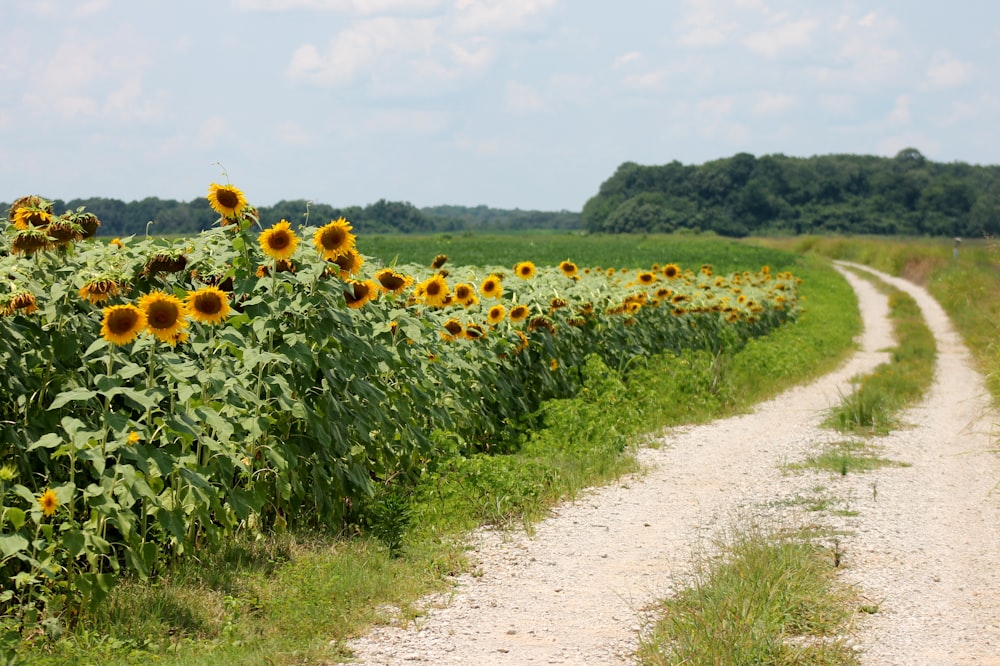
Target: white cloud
(652, 81)
(363, 7)
(129, 102)
(212, 131)
(626, 58)
(838, 104)
(522, 98)
(485, 16)
(767, 103)
(946, 71)
(409, 123)
(63, 9)
(293, 134)
(393, 56)
(900, 114)
(783, 36)
(702, 27)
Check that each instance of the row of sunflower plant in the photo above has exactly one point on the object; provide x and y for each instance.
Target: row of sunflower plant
(162, 395)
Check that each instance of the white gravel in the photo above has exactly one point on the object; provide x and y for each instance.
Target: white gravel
(923, 546)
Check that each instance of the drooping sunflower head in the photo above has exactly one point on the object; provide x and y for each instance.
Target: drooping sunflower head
(32, 215)
(29, 241)
(393, 282)
(64, 231)
(452, 329)
(525, 270)
(519, 313)
(439, 261)
(491, 287)
(122, 323)
(48, 502)
(349, 263)
(334, 239)
(23, 302)
(474, 332)
(496, 315)
(166, 316)
(435, 291)
(279, 242)
(568, 268)
(226, 200)
(30, 201)
(209, 305)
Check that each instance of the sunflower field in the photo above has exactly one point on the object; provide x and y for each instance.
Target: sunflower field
(163, 395)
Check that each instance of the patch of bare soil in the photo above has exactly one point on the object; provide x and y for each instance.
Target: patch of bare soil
(921, 542)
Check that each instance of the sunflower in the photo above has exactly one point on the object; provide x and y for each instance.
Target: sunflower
(519, 313)
(122, 324)
(209, 305)
(491, 287)
(49, 502)
(439, 261)
(117, 242)
(522, 341)
(465, 294)
(557, 303)
(474, 332)
(335, 239)
(279, 242)
(671, 270)
(226, 200)
(393, 282)
(348, 264)
(435, 291)
(133, 437)
(281, 266)
(525, 270)
(359, 293)
(26, 217)
(30, 201)
(646, 278)
(496, 315)
(166, 316)
(22, 303)
(29, 241)
(452, 329)
(568, 269)
(64, 231)
(99, 290)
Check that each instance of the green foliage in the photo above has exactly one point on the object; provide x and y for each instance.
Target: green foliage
(776, 194)
(769, 598)
(848, 456)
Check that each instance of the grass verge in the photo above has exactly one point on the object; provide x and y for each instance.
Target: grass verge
(294, 599)
(769, 598)
(845, 457)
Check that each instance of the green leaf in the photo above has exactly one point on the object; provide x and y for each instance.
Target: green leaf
(11, 544)
(94, 587)
(74, 542)
(47, 441)
(73, 395)
(15, 515)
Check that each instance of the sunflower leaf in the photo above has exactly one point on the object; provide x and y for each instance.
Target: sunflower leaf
(73, 395)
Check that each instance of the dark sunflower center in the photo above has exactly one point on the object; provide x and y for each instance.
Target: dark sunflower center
(453, 327)
(392, 282)
(123, 322)
(227, 199)
(332, 239)
(279, 240)
(462, 293)
(209, 304)
(162, 315)
(433, 289)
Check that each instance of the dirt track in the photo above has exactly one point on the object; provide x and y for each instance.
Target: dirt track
(923, 546)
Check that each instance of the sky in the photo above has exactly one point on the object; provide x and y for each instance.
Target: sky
(527, 104)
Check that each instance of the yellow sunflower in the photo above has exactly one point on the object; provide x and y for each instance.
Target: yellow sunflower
(435, 291)
(671, 270)
(349, 263)
(279, 242)
(519, 313)
(525, 270)
(26, 217)
(491, 287)
(452, 330)
(99, 290)
(122, 324)
(568, 269)
(209, 305)
(49, 502)
(465, 294)
(393, 282)
(22, 303)
(359, 293)
(166, 316)
(496, 315)
(226, 200)
(474, 332)
(646, 278)
(439, 261)
(335, 239)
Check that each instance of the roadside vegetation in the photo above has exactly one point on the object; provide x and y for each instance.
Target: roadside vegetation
(295, 591)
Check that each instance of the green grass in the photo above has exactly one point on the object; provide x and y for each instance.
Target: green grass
(875, 405)
(291, 599)
(845, 457)
(768, 598)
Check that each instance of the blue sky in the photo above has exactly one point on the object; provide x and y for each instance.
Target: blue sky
(509, 103)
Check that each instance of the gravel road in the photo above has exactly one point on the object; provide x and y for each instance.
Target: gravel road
(921, 542)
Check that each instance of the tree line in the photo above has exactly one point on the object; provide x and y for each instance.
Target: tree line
(828, 194)
(170, 217)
